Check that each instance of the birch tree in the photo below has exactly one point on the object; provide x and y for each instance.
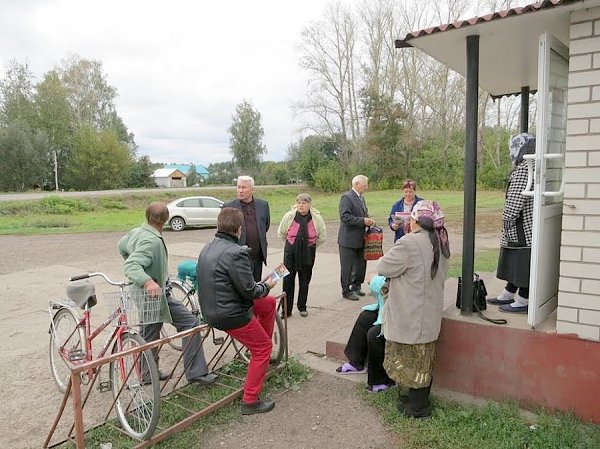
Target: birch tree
(328, 55)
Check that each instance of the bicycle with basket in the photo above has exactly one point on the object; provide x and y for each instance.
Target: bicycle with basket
(133, 378)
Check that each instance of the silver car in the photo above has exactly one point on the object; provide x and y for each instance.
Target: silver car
(193, 211)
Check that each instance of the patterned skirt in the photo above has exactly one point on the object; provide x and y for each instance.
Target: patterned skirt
(410, 365)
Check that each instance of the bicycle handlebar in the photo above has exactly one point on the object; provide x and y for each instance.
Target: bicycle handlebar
(106, 278)
(78, 278)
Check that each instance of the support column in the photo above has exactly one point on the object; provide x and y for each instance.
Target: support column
(524, 115)
(470, 183)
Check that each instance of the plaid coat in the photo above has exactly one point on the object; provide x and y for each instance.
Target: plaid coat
(517, 216)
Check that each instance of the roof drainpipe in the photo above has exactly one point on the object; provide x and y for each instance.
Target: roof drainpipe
(470, 183)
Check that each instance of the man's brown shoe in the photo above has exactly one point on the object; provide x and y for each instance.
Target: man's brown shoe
(260, 406)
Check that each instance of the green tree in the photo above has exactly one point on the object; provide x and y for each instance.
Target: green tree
(312, 152)
(388, 145)
(22, 157)
(220, 173)
(192, 176)
(273, 173)
(16, 94)
(99, 162)
(91, 98)
(247, 133)
(140, 172)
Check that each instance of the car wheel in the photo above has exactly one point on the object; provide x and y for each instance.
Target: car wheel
(177, 224)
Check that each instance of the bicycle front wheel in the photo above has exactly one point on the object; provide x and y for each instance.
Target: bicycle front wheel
(278, 344)
(138, 403)
(188, 298)
(67, 342)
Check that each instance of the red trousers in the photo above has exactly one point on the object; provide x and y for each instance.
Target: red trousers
(257, 337)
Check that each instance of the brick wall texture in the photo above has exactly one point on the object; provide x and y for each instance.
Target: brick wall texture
(579, 286)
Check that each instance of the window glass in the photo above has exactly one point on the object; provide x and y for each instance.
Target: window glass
(209, 202)
(192, 202)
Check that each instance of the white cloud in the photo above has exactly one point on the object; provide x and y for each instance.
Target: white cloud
(180, 67)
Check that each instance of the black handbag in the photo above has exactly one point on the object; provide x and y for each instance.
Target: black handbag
(479, 295)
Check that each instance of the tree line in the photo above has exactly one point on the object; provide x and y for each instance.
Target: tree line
(64, 131)
(370, 108)
(392, 113)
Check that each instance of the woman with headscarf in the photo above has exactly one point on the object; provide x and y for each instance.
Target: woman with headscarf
(517, 225)
(403, 206)
(303, 229)
(416, 267)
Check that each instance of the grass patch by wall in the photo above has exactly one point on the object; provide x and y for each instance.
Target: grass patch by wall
(493, 426)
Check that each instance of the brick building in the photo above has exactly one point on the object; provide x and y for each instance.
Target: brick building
(551, 356)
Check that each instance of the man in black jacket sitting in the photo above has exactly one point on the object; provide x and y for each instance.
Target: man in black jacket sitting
(232, 301)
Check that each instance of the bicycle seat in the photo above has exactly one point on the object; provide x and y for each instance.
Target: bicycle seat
(82, 293)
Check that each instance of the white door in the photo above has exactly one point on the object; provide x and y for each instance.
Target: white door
(551, 125)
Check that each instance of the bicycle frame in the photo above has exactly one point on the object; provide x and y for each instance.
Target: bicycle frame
(85, 323)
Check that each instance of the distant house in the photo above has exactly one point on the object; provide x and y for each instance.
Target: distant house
(169, 177)
(201, 170)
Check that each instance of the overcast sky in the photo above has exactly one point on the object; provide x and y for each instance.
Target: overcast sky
(180, 66)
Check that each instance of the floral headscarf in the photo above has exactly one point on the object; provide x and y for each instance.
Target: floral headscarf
(430, 216)
(520, 145)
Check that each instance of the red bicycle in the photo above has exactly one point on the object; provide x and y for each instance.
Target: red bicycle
(134, 378)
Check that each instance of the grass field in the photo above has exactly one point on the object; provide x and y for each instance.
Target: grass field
(118, 213)
(56, 215)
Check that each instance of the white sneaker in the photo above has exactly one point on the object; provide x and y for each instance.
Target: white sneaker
(505, 297)
(520, 301)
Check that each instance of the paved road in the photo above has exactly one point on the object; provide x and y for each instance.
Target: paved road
(40, 195)
(187, 190)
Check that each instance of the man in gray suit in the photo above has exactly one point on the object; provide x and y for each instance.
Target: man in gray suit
(354, 217)
(257, 220)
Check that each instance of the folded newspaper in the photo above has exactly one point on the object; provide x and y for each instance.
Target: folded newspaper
(278, 273)
(401, 217)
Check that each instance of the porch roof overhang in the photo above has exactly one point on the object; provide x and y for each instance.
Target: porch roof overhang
(508, 42)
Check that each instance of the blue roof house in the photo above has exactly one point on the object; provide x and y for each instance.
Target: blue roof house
(201, 170)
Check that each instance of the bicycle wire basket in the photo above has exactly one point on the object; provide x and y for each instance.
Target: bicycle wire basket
(140, 308)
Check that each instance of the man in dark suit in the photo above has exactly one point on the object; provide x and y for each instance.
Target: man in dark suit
(257, 219)
(354, 217)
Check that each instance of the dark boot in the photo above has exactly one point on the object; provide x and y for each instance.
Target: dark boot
(402, 401)
(418, 403)
(260, 406)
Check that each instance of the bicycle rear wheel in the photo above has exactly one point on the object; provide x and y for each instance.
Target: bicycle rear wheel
(188, 298)
(67, 342)
(278, 344)
(138, 405)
